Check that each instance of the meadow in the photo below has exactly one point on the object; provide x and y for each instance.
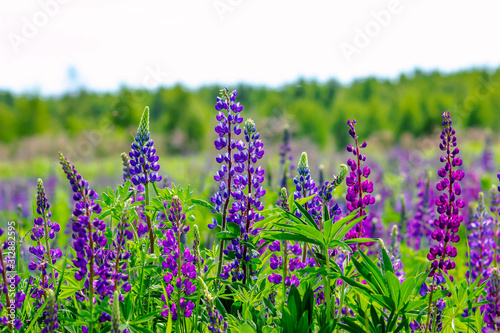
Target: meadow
(243, 236)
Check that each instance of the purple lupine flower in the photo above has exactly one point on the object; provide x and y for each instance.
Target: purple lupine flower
(395, 254)
(51, 325)
(305, 187)
(289, 261)
(245, 208)
(43, 230)
(492, 310)
(216, 320)
(487, 159)
(143, 158)
(326, 190)
(144, 165)
(179, 266)
(227, 129)
(358, 190)
(481, 242)
(420, 225)
(495, 209)
(126, 167)
(448, 204)
(88, 232)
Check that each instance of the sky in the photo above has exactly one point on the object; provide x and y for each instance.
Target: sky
(53, 46)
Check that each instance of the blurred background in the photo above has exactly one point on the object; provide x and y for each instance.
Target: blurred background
(75, 77)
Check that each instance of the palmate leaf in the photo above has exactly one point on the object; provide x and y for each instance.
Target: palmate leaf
(303, 230)
(308, 218)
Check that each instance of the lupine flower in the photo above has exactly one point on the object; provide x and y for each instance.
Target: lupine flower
(126, 167)
(420, 225)
(495, 209)
(227, 129)
(492, 310)
(144, 165)
(481, 243)
(216, 320)
(50, 314)
(88, 233)
(289, 261)
(244, 210)
(326, 190)
(395, 254)
(487, 159)
(448, 204)
(43, 230)
(358, 190)
(286, 159)
(178, 266)
(143, 159)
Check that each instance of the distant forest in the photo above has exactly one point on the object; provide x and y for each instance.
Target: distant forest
(412, 103)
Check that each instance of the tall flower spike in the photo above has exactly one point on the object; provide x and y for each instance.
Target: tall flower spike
(227, 129)
(420, 225)
(247, 191)
(50, 314)
(395, 254)
(448, 204)
(492, 310)
(144, 165)
(481, 243)
(88, 234)
(358, 190)
(305, 187)
(495, 209)
(126, 167)
(43, 230)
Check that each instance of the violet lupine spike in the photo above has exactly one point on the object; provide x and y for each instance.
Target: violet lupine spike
(421, 224)
(216, 320)
(43, 230)
(358, 190)
(51, 325)
(88, 234)
(178, 266)
(492, 309)
(495, 209)
(448, 204)
(326, 190)
(126, 167)
(143, 158)
(395, 254)
(305, 187)
(144, 166)
(481, 243)
(487, 159)
(245, 208)
(227, 129)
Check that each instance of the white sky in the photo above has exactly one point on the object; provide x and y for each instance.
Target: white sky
(271, 42)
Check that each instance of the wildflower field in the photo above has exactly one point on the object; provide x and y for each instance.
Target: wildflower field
(409, 245)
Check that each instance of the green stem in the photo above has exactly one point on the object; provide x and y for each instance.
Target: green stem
(285, 265)
(326, 285)
(148, 221)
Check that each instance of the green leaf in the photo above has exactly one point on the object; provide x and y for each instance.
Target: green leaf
(203, 203)
(233, 228)
(226, 235)
(309, 219)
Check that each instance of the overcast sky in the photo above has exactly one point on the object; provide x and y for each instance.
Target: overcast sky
(51, 46)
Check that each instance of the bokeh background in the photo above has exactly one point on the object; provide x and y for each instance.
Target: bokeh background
(75, 77)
